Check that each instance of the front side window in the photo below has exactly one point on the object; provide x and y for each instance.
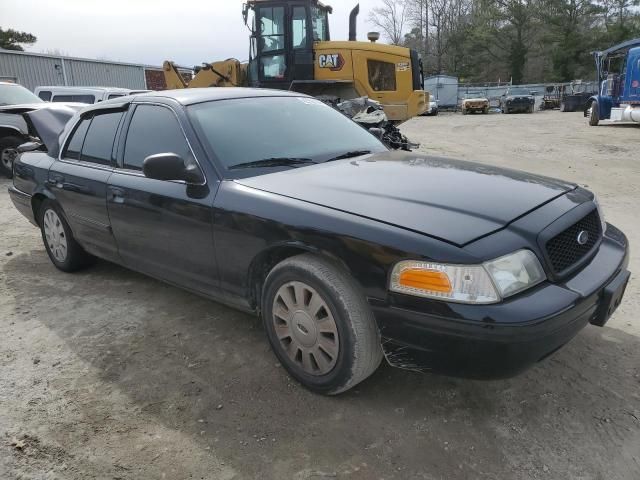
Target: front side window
(279, 127)
(45, 95)
(382, 76)
(100, 138)
(299, 27)
(153, 130)
(271, 27)
(320, 24)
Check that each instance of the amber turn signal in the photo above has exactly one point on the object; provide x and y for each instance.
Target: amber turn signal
(428, 280)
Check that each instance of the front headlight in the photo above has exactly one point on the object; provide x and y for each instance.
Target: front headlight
(480, 284)
(603, 222)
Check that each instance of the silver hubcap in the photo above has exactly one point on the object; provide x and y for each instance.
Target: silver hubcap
(54, 233)
(7, 157)
(306, 328)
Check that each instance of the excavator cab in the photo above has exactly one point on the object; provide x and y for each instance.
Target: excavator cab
(283, 33)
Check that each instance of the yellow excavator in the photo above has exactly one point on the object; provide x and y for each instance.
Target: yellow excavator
(290, 49)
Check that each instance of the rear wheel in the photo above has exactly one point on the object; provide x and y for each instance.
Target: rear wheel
(63, 250)
(8, 154)
(594, 114)
(319, 325)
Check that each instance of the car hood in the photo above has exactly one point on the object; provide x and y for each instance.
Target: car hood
(452, 200)
(48, 122)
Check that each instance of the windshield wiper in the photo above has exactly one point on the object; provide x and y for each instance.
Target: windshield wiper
(355, 153)
(273, 162)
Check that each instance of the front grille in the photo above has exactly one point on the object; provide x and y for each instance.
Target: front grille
(564, 250)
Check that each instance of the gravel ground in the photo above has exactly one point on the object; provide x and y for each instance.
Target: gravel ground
(109, 374)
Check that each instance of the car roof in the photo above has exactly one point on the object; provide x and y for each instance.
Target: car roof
(84, 89)
(190, 96)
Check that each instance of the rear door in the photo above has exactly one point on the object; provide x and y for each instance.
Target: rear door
(163, 228)
(79, 180)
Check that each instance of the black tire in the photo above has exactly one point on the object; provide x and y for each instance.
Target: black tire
(75, 257)
(8, 151)
(594, 118)
(359, 351)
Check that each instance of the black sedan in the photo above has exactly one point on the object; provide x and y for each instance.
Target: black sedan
(518, 99)
(277, 204)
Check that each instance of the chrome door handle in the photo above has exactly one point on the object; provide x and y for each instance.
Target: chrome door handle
(116, 195)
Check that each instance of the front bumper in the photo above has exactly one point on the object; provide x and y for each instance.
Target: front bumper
(501, 340)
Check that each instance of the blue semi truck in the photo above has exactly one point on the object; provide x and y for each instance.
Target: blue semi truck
(619, 79)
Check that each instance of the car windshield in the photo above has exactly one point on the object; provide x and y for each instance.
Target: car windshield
(519, 91)
(473, 95)
(16, 95)
(277, 132)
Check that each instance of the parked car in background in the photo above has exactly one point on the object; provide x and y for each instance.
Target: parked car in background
(433, 108)
(517, 99)
(88, 95)
(473, 102)
(345, 266)
(17, 130)
(13, 129)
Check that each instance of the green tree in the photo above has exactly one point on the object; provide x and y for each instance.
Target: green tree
(13, 40)
(572, 33)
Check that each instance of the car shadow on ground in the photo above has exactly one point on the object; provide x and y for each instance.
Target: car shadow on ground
(208, 371)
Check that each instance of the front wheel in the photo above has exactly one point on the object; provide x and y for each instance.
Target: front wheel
(594, 114)
(63, 250)
(319, 324)
(8, 154)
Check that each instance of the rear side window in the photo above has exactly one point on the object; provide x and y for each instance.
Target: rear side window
(115, 95)
(45, 95)
(153, 130)
(98, 143)
(90, 99)
(74, 147)
(382, 76)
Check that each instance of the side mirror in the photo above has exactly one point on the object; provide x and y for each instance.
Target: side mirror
(169, 166)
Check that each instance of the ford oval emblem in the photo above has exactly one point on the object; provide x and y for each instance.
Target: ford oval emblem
(583, 237)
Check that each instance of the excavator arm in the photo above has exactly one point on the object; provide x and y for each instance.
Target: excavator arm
(228, 73)
(172, 76)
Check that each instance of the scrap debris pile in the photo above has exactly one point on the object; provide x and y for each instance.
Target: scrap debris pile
(370, 114)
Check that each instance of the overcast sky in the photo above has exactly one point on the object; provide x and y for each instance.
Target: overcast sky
(150, 31)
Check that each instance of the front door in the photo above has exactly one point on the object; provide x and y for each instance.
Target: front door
(163, 228)
(79, 181)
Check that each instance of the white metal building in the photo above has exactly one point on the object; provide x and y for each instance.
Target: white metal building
(444, 89)
(35, 69)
